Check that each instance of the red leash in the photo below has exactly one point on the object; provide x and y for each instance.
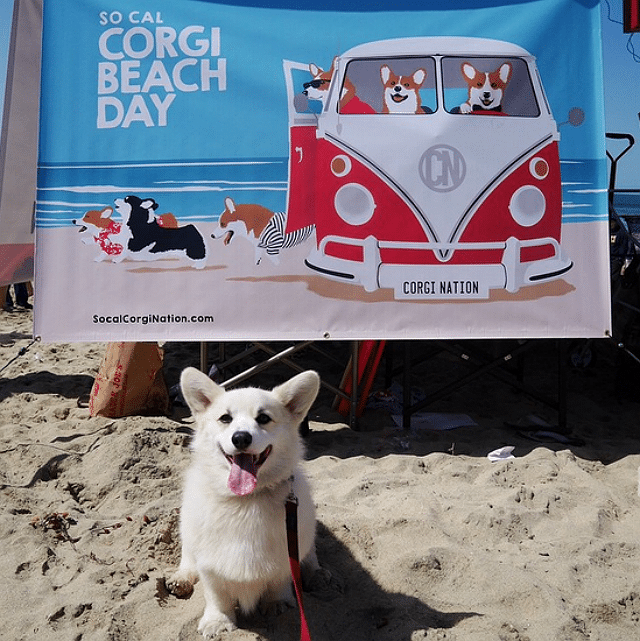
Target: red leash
(291, 510)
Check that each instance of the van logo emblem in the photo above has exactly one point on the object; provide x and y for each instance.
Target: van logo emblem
(442, 168)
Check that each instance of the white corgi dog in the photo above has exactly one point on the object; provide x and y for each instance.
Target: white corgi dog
(486, 89)
(246, 457)
(402, 93)
(98, 227)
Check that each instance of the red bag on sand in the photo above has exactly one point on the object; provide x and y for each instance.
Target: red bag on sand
(130, 381)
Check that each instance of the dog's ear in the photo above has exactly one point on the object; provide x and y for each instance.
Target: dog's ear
(419, 76)
(106, 212)
(314, 70)
(505, 72)
(298, 393)
(385, 74)
(198, 390)
(229, 204)
(468, 71)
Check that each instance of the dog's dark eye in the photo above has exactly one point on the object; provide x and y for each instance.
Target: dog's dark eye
(263, 419)
(226, 419)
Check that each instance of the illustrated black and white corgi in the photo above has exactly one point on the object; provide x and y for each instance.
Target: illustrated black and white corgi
(151, 237)
(262, 227)
(98, 227)
(486, 88)
(402, 93)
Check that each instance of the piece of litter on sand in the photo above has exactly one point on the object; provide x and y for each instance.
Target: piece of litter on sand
(436, 421)
(501, 454)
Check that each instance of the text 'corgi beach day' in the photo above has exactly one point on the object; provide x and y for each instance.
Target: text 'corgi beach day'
(131, 91)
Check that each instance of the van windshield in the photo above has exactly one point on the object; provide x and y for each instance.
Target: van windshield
(480, 85)
(488, 86)
(399, 85)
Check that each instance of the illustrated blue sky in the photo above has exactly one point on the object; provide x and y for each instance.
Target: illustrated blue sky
(621, 54)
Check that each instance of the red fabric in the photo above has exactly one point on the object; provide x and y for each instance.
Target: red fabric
(356, 106)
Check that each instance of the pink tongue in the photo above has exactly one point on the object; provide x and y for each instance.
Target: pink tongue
(242, 478)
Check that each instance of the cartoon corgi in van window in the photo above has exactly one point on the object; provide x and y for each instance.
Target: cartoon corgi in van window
(318, 89)
(402, 93)
(469, 205)
(485, 89)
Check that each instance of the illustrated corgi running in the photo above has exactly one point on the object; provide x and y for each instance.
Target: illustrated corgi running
(151, 237)
(260, 226)
(98, 227)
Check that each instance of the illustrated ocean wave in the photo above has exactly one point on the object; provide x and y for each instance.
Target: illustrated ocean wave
(195, 191)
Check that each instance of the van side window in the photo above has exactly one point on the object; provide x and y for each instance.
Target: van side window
(402, 85)
(488, 86)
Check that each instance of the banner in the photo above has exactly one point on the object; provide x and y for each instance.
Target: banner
(245, 170)
(19, 141)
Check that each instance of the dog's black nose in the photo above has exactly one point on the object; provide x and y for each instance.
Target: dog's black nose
(241, 440)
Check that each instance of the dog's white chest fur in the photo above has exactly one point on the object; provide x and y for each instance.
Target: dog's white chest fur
(237, 538)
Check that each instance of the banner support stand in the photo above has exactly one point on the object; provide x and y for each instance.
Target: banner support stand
(283, 356)
(491, 366)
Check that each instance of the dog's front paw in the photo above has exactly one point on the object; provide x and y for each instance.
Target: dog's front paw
(181, 584)
(211, 625)
(465, 108)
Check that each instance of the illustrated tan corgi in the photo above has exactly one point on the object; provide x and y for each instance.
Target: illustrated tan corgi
(246, 459)
(486, 89)
(318, 89)
(402, 93)
(98, 227)
(263, 228)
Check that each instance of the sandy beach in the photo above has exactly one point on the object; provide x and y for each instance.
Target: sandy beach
(425, 537)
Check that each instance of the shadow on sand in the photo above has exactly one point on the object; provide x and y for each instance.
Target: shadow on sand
(334, 609)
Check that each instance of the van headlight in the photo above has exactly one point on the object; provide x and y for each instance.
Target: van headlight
(354, 204)
(527, 206)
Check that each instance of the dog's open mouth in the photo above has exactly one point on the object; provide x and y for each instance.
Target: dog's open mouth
(397, 97)
(244, 470)
(228, 237)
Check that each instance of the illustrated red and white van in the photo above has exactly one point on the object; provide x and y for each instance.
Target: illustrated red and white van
(448, 192)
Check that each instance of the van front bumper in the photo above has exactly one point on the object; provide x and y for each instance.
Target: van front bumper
(441, 280)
